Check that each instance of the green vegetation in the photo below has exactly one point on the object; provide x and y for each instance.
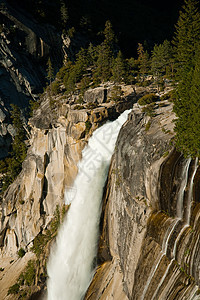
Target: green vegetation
(88, 125)
(31, 274)
(186, 104)
(147, 126)
(21, 252)
(143, 62)
(12, 165)
(162, 63)
(176, 62)
(41, 240)
(14, 289)
(92, 66)
(26, 278)
(149, 109)
(116, 93)
(147, 99)
(33, 104)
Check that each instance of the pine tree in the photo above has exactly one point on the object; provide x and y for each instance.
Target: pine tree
(186, 107)
(109, 35)
(104, 64)
(105, 52)
(161, 59)
(162, 56)
(143, 61)
(187, 33)
(50, 71)
(64, 14)
(119, 68)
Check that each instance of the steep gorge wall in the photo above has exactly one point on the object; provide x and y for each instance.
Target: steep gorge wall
(148, 249)
(58, 136)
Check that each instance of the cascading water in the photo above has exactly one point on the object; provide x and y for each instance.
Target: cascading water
(169, 232)
(71, 264)
(190, 198)
(179, 208)
(162, 253)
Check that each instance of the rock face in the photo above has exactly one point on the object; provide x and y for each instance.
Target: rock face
(58, 136)
(149, 244)
(24, 49)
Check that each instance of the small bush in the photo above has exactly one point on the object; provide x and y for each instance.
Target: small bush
(147, 99)
(39, 243)
(78, 107)
(149, 109)
(166, 154)
(33, 106)
(116, 93)
(55, 87)
(88, 125)
(168, 96)
(21, 252)
(164, 97)
(29, 275)
(80, 100)
(147, 126)
(14, 289)
(71, 32)
(91, 105)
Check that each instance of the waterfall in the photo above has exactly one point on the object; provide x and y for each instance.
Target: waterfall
(71, 263)
(180, 215)
(183, 185)
(162, 253)
(190, 197)
(172, 260)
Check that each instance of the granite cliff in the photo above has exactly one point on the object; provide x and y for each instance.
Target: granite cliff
(148, 247)
(149, 244)
(58, 135)
(25, 47)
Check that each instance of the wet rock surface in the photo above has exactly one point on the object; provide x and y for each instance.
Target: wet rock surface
(156, 251)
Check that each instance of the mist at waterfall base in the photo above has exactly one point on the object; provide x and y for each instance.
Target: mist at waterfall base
(71, 264)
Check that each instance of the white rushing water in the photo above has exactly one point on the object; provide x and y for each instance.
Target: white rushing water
(183, 185)
(190, 196)
(71, 264)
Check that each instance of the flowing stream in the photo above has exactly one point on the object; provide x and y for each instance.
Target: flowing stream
(72, 261)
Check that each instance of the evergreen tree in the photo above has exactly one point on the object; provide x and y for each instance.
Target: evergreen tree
(161, 60)
(119, 68)
(188, 112)
(75, 72)
(104, 64)
(64, 14)
(162, 56)
(105, 52)
(132, 70)
(143, 61)
(13, 164)
(187, 33)
(109, 35)
(50, 71)
(187, 55)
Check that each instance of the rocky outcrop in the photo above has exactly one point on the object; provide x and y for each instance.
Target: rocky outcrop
(25, 47)
(58, 135)
(149, 241)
